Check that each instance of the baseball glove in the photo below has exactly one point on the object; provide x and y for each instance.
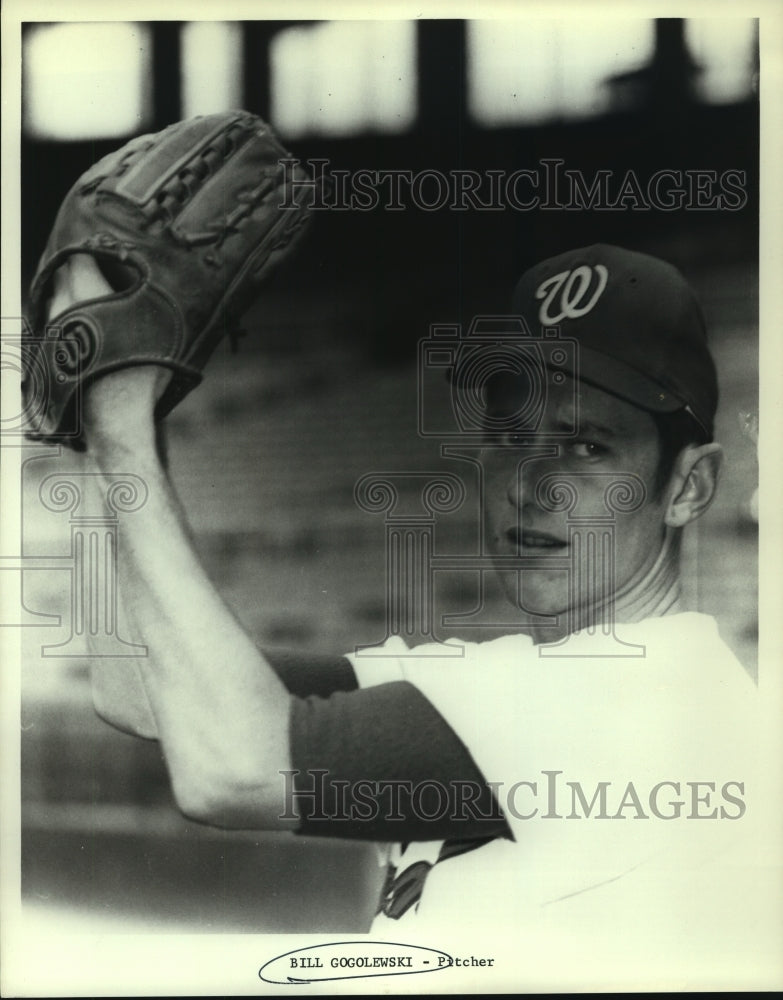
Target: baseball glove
(194, 216)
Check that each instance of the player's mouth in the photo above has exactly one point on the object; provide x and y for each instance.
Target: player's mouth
(528, 540)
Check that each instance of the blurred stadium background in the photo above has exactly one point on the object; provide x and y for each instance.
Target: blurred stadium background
(267, 451)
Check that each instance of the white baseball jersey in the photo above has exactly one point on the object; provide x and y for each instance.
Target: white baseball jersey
(627, 782)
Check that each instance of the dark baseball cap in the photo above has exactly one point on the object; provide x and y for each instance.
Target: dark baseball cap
(638, 324)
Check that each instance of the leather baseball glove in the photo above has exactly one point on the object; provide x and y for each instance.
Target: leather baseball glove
(185, 224)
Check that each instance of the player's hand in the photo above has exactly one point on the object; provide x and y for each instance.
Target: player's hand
(118, 405)
(76, 280)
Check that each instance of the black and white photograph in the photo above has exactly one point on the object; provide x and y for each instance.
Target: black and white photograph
(390, 545)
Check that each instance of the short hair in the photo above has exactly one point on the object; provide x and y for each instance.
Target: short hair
(675, 431)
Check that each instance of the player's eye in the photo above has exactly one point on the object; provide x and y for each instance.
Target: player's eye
(504, 439)
(587, 449)
(513, 439)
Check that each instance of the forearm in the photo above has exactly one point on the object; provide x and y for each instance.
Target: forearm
(118, 691)
(220, 711)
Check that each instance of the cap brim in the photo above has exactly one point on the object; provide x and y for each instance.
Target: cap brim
(621, 380)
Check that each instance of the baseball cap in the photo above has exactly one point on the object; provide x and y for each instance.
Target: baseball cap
(638, 324)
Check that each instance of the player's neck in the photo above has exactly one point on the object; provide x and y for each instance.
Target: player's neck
(653, 593)
(657, 590)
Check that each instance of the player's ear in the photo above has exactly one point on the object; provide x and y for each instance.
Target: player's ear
(693, 483)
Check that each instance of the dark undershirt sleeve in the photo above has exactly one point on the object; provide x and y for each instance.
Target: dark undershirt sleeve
(381, 763)
(305, 673)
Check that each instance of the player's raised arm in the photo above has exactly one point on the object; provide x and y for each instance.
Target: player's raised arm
(155, 253)
(221, 712)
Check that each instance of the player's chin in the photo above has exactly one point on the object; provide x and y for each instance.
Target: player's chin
(536, 592)
(543, 597)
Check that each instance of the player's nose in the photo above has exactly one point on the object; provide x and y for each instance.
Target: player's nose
(523, 478)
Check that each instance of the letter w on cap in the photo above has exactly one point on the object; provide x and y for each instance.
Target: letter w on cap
(572, 287)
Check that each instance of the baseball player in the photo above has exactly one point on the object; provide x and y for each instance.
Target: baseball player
(592, 767)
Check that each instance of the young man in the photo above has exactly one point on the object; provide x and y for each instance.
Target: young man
(591, 769)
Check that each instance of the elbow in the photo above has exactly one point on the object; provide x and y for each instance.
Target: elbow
(201, 803)
(127, 722)
(224, 781)
(224, 802)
